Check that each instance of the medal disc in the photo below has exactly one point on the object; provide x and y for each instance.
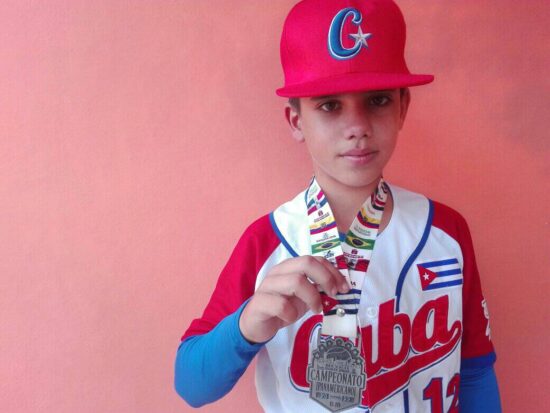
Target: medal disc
(336, 375)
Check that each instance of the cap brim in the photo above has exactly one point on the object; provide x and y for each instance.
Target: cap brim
(353, 82)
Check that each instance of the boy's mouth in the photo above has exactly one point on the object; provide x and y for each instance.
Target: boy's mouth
(359, 156)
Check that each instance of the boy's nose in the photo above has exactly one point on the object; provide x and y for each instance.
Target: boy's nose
(358, 124)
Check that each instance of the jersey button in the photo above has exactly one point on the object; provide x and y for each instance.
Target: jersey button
(372, 312)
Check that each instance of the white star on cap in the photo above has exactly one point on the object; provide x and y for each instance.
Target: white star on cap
(361, 37)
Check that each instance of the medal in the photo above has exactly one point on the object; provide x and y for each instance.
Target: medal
(336, 372)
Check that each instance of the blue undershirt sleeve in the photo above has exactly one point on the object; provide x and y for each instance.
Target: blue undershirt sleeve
(208, 366)
(479, 390)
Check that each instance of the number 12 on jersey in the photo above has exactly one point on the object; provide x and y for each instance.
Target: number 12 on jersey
(434, 393)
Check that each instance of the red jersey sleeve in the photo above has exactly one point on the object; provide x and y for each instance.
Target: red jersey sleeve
(237, 279)
(476, 338)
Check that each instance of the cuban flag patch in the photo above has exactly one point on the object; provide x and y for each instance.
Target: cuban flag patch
(439, 274)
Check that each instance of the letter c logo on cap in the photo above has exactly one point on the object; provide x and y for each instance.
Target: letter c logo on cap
(335, 46)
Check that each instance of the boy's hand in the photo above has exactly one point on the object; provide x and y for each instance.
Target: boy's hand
(286, 294)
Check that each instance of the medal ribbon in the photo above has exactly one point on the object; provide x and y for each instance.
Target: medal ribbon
(351, 258)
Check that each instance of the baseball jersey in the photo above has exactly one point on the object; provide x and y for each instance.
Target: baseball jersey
(422, 314)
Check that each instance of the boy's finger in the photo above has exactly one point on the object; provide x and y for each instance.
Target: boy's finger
(310, 267)
(336, 282)
(294, 285)
(320, 272)
(317, 269)
(279, 306)
(343, 286)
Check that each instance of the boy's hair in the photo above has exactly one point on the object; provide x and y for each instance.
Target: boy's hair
(295, 102)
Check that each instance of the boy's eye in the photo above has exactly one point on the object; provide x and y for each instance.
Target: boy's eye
(380, 100)
(329, 106)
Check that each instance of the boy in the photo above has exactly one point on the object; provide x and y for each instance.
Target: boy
(356, 294)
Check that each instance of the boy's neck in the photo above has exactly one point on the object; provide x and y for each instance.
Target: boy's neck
(346, 201)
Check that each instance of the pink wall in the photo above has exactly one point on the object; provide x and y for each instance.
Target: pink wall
(129, 127)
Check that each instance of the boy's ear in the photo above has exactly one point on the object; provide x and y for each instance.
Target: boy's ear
(295, 121)
(405, 100)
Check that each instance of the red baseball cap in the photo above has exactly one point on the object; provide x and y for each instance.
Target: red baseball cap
(339, 46)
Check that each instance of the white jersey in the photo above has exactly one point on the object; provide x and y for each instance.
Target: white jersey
(421, 312)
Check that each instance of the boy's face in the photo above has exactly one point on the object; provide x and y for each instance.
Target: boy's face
(350, 136)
